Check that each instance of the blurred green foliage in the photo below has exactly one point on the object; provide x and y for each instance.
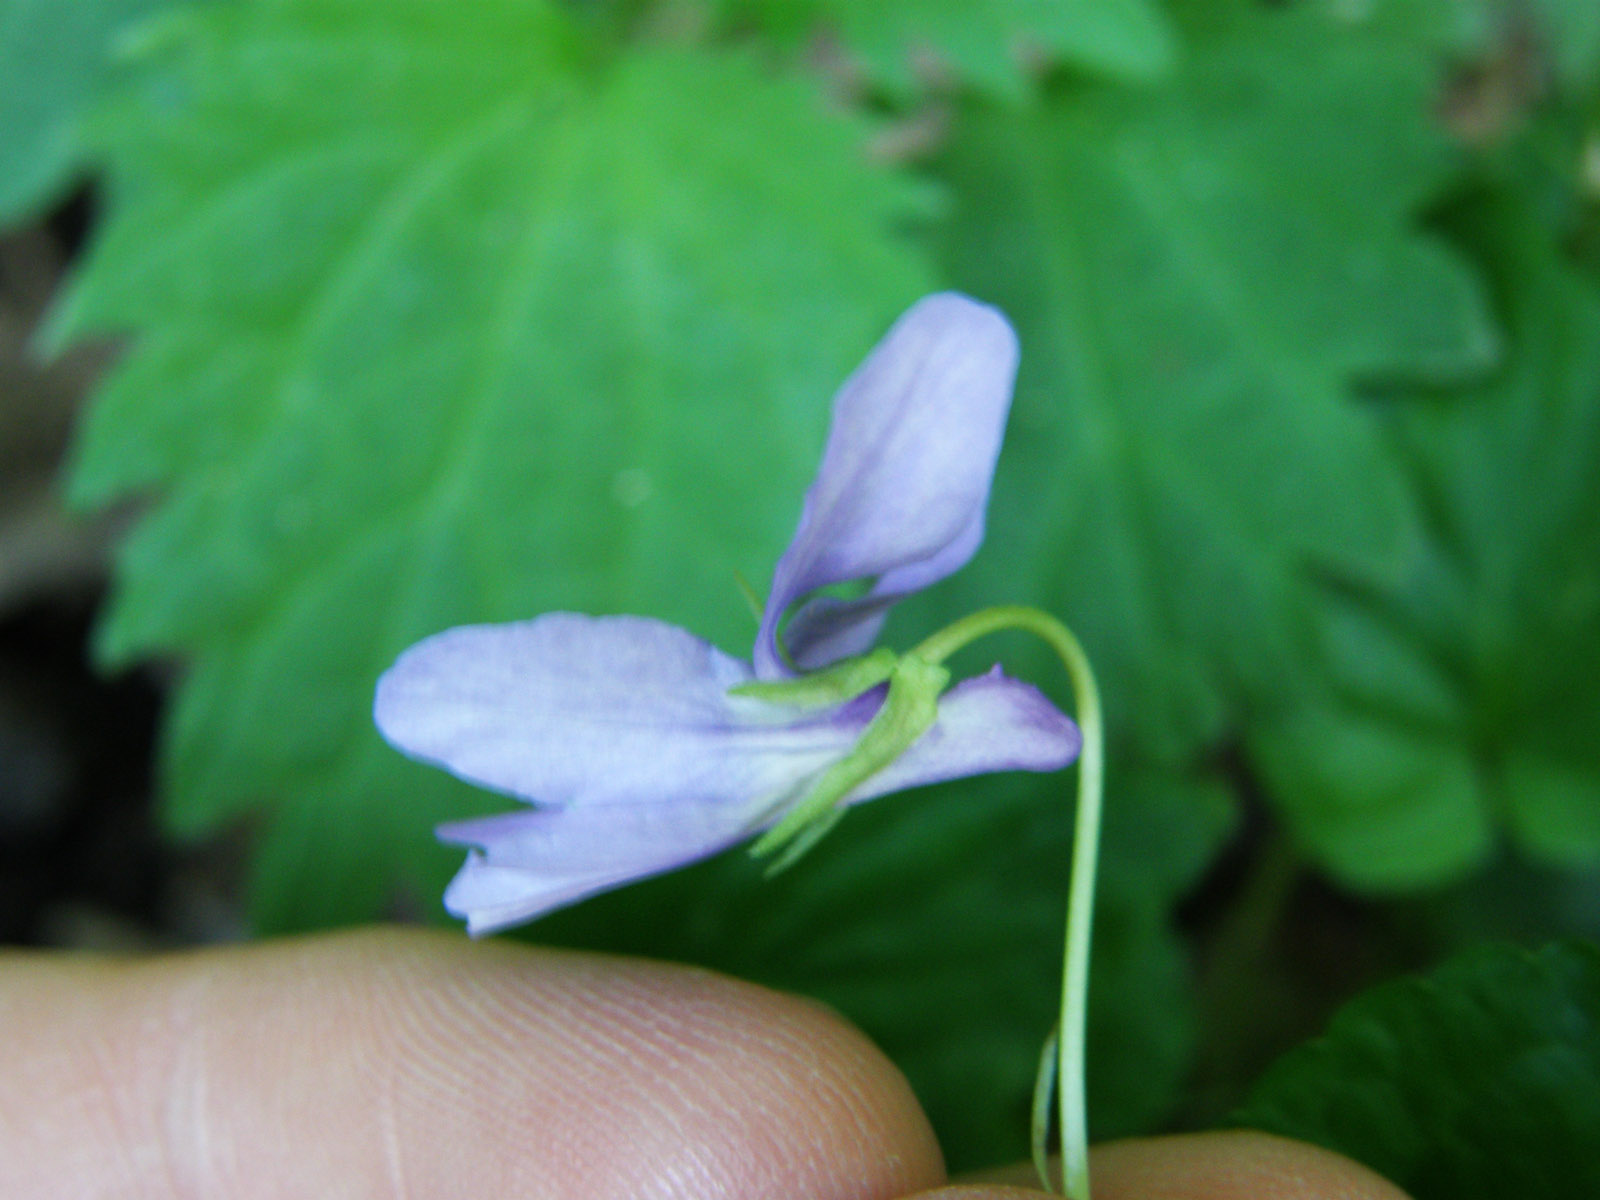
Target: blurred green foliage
(987, 46)
(1479, 1080)
(439, 313)
(54, 60)
(1461, 698)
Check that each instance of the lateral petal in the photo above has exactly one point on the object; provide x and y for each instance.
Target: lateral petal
(988, 723)
(568, 709)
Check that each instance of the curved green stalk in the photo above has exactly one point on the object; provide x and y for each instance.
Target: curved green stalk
(1044, 1091)
(1072, 1031)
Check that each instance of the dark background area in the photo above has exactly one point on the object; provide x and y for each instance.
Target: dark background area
(81, 860)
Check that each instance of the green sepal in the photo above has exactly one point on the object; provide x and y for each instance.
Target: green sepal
(830, 686)
(803, 841)
(752, 598)
(908, 711)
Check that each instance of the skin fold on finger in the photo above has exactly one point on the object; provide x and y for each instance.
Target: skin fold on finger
(1226, 1165)
(392, 1063)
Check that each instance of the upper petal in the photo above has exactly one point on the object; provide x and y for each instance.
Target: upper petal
(571, 709)
(904, 482)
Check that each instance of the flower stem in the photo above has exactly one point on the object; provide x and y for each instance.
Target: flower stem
(1072, 1033)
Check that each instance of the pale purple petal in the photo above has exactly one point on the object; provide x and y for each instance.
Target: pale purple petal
(988, 723)
(528, 863)
(568, 709)
(826, 629)
(904, 482)
(525, 864)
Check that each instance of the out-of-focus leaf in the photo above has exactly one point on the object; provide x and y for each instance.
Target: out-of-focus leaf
(986, 43)
(55, 57)
(1481, 1080)
(1199, 274)
(1571, 34)
(1460, 29)
(471, 325)
(995, 47)
(1463, 698)
(1515, 900)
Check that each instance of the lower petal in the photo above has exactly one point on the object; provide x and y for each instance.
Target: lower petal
(568, 709)
(525, 864)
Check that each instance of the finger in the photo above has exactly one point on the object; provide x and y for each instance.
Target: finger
(1230, 1165)
(408, 1064)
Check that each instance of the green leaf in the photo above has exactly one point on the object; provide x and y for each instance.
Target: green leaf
(1199, 275)
(1461, 699)
(1461, 30)
(473, 324)
(1514, 900)
(994, 47)
(1480, 1080)
(985, 43)
(55, 59)
(1571, 32)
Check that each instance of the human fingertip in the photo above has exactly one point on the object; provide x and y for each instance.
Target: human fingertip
(435, 1067)
(1231, 1165)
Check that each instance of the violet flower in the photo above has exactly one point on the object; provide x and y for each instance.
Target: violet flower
(643, 748)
